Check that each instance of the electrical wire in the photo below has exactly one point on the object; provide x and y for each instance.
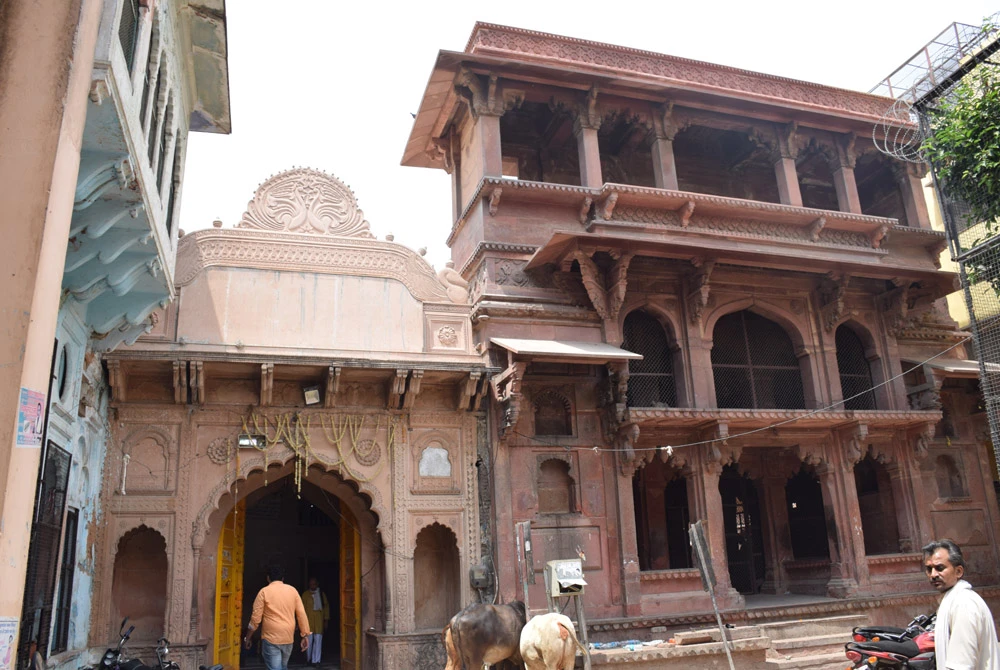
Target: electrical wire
(754, 431)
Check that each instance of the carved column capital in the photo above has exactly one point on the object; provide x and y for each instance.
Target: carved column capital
(700, 288)
(846, 155)
(481, 99)
(586, 116)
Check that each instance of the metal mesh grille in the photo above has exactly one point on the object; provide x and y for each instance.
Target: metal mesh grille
(43, 552)
(754, 364)
(66, 572)
(128, 30)
(651, 381)
(855, 370)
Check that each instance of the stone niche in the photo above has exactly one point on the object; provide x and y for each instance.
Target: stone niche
(436, 467)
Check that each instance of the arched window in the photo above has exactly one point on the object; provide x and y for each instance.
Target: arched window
(855, 370)
(555, 488)
(948, 477)
(754, 364)
(651, 381)
(436, 588)
(139, 583)
(553, 414)
(128, 30)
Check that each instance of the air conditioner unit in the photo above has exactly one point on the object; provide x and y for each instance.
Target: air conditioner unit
(565, 578)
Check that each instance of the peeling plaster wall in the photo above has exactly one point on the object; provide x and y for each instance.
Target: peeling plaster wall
(85, 438)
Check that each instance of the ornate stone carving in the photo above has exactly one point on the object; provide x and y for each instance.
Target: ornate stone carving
(368, 452)
(697, 298)
(503, 41)
(895, 305)
(507, 391)
(456, 288)
(625, 444)
(220, 450)
(606, 291)
(304, 200)
(833, 291)
(746, 228)
(856, 443)
(447, 336)
(481, 100)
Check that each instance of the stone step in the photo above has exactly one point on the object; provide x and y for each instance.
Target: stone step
(799, 628)
(831, 661)
(812, 645)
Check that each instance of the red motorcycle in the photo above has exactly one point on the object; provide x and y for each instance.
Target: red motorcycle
(911, 648)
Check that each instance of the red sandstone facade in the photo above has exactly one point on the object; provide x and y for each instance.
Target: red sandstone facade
(742, 233)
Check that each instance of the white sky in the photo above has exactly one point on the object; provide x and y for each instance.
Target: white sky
(330, 84)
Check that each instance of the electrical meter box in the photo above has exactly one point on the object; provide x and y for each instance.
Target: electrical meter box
(479, 576)
(565, 578)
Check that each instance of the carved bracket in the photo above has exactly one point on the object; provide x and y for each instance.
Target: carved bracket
(266, 384)
(833, 292)
(811, 454)
(494, 197)
(895, 306)
(606, 291)
(482, 101)
(697, 298)
(413, 388)
(117, 381)
(180, 382)
(624, 442)
(332, 387)
(196, 381)
(585, 206)
(507, 391)
(879, 236)
(606, 206)
(468, 389)
(397, 388)
(586, 114)
(685, 211)
(855, 443)
(922, 441)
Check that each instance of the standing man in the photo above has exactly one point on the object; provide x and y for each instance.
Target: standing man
(964, 635)
(318, 613)
(275, 610)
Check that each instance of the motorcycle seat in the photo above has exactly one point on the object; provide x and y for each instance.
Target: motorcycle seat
(876, 630)
(906, 648)
(218, 666)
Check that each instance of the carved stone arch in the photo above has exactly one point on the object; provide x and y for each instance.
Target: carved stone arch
(280, 463)
(123, 583)
(550, 501)
(557, 396)
(873, 355)
(167, 442)
(669, 320)
(792, 324)
(437, 574)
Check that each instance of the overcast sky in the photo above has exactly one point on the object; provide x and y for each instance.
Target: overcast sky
(331, 84)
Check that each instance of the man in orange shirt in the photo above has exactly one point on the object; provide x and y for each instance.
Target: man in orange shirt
(275, 609)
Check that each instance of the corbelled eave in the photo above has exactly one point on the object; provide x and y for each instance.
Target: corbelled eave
(682, 81)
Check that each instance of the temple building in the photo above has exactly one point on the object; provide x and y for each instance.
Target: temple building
(801, 388)
(678, 292)
(309, 399)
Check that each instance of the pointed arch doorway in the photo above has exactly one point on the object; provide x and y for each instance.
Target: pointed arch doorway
(312, 534)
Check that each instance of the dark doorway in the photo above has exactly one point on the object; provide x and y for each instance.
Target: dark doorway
(877, 506)
(744, 537)
(301, 533)
(806, 515)
(661, 517)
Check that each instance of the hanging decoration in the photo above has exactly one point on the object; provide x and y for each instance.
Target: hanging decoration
(261, 431)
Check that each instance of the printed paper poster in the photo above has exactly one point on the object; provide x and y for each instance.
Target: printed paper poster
(8, 642)
(30, 420)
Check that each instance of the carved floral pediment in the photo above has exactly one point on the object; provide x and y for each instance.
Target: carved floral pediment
(304, 200)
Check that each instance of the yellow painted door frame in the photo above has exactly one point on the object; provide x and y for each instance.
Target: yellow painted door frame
(229, 588)
(350, 591)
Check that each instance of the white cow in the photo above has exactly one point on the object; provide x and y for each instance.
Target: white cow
(548, 642)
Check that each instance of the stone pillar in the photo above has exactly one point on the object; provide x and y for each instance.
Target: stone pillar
(664, 168)
(908, 176)
(47, 48)
(590, 155)
(848, 563)
(777, 536)
(656, 520)
(909, 535)
(631, 585)
(702, 390)
(709, 509)
(487, 143)
(843, 175)
(788, 181)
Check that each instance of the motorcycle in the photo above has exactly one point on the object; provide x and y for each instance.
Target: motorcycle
(116, 658)
(919, 624)
(911, 648)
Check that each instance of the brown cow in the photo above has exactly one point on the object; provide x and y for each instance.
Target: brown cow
(483, 635)
(548, 642)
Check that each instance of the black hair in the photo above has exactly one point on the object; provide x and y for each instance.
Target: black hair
(275, 573)
(954, 551)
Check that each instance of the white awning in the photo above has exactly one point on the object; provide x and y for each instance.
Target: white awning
(952, 367)
(563, 350)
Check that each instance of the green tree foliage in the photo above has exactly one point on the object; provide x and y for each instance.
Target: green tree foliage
(964, 146)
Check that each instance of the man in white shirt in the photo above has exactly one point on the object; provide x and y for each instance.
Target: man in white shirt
(964, 635)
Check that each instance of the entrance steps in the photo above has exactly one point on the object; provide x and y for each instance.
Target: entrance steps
(810, 644)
